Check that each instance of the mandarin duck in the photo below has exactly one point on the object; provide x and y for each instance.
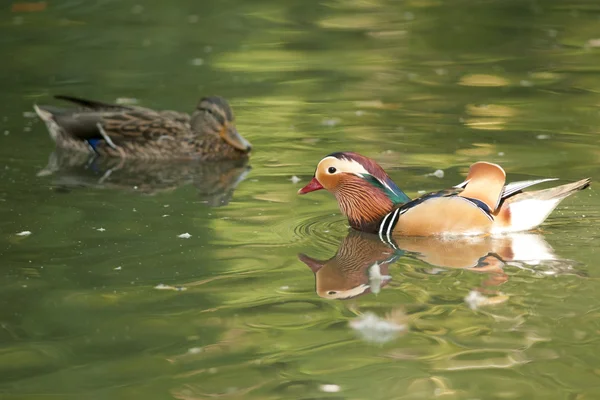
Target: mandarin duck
(113, 130)
(482, 204)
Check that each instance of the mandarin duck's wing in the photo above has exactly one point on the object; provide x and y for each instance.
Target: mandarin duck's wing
(516, 187)
(484, 183)
(465, 209)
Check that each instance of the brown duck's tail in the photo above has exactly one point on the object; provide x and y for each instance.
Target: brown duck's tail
(524, 211)
(46, 114)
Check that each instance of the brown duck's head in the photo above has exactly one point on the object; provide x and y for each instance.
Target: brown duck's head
(365, 193)
(213, 116)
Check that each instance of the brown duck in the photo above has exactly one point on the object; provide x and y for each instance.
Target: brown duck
(113, 130)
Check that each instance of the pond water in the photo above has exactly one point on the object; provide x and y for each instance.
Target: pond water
(105, 300)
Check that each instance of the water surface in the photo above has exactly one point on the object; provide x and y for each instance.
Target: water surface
(104, 299)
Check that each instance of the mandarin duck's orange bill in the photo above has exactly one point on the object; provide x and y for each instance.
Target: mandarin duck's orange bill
(482, 204)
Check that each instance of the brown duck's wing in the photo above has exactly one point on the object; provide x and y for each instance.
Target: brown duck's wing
(93, 104)
(119, 127)
(101, 106)
(485, 182)
(180, 117)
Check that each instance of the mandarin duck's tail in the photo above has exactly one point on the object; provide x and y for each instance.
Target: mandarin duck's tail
(527, 210)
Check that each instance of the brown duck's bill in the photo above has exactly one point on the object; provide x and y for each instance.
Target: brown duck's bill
(313, 185)
(236, 140)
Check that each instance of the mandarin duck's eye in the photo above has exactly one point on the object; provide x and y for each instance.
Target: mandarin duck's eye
(331, 170)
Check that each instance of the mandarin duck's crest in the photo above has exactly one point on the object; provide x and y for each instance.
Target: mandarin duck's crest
(482, 204)
(124, 131)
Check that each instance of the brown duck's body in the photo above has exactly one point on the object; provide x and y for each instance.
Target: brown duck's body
(482, 204)
(112, 130)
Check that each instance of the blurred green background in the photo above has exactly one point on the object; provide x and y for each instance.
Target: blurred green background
(419, 86)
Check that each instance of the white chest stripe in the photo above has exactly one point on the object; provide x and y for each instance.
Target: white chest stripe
(388, 223)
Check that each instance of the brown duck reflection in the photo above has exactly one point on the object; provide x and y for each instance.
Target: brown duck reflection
(361, 263)
(215, 181)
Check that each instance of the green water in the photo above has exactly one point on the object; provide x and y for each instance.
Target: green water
(419, 86)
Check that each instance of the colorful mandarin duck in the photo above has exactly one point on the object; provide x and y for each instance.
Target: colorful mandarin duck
(482, 204)
(112, 130)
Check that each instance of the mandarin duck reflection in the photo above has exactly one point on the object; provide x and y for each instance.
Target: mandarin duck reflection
(113, 130)
(482, 204)
(361, 264)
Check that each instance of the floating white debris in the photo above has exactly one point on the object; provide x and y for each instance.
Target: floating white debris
(360, 113)
(6, 133)
(165, 215)
(195, 350)
(475, 299)
(295, 179)
(375, 329)
(24, 233)
(542, 137)
(330, 388)
(526, 83)
(593, 43)
(438, 173)
(162, 286)
(184, 236)
(422, 191)
(126, 100)
(501, 154)
(196, 62)
(284, 287)
(376, 279)
(100, 229)
(118, 268)
(330, 122)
